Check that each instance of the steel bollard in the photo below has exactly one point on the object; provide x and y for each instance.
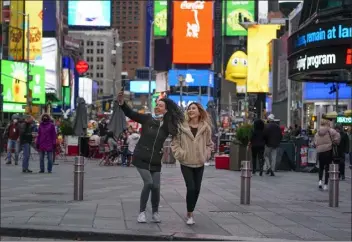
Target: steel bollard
(78, 178)
(334, 185)
(246, 174)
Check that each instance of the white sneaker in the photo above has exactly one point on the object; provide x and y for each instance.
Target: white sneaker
(156, 217)
(320, 184)
(142, 218)
(325, 187)
(190, 221)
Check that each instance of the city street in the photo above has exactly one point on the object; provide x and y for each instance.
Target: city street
(287, 206)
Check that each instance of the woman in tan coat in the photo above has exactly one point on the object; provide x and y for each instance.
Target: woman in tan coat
(192, 148)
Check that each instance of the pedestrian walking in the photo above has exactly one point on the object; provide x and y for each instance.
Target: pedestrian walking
(343, 149)
(324, 140)
(148, 152)
(26, 139)
(192, 148)
(272, 137)
(46, 142)
(12, 134)
(257, 145)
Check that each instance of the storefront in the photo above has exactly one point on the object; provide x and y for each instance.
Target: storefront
(320, 54)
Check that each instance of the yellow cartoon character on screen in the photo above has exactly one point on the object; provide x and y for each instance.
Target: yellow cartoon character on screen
(236, 70)
(19, 79)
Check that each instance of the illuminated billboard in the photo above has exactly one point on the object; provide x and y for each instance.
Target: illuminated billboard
(233, 11)
(34, 9)
(259, 37)
(192, 78)
(89, 13)
(160, 17)
(192, 32)
(16, 35)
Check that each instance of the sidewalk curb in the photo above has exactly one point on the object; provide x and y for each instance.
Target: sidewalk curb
(106, 235)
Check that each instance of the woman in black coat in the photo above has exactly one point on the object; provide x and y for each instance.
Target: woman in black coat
(257, 144)
(148, 152)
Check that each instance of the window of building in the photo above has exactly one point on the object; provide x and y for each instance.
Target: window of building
(327, 4)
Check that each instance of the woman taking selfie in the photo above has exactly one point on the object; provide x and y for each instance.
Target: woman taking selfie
(192, 148)
(148, 152)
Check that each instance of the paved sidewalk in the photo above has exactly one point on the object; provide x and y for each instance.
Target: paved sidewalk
(287, 206)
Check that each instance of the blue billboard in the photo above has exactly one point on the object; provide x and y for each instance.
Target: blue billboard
(195, 78)
(141, 86)
(89, 13)
(320, 91)
(186, 100)
(49, 16)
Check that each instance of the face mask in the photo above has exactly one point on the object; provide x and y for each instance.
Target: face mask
(15, 120)
(45, 119)
(159, 116)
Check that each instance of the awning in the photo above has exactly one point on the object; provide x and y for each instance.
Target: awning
(51, 95)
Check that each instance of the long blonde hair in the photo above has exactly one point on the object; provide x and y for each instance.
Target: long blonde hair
(203, 114)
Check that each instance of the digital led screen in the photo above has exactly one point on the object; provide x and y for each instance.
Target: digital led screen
(195, 78)
(320, 91)
(141, 86)
(186, 100)
(89, 13)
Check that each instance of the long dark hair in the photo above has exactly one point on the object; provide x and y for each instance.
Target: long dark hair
(174, 116)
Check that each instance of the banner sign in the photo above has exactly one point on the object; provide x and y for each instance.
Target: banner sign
(194, 78)
(34, 10)
(160, 17)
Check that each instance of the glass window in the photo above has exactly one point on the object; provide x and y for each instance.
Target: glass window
(328, 4)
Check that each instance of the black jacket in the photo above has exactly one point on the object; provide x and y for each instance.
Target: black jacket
(257, 136)
(148, 152)
(272, 135)
(26, 134)
(344, 145)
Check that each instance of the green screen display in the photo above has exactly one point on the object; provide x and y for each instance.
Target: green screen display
(344, 120)
(160, 18)
(14, 78)
(233, 9)
(14, 107)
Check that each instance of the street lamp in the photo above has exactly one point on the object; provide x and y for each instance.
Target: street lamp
(29, 78)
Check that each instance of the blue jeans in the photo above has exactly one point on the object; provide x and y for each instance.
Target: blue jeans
(50, 160)
(26, 154)
(12, 145)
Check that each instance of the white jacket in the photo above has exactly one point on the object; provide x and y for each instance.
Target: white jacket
(132, 141)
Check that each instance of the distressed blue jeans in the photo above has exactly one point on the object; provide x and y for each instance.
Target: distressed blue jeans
(12, 145)
(50, 160)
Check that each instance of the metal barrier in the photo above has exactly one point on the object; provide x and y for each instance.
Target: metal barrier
(334, 185)
(78, 178)
(246, 174)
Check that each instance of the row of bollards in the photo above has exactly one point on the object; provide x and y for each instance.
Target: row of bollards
(246, 175)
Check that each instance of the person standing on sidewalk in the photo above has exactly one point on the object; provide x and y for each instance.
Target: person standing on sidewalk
(257, 145)
(26, 139)
(148, 152)
(46, 142)
(272, 137)
(192, 148)
(343, 149)
(12, 133)
(324, 140)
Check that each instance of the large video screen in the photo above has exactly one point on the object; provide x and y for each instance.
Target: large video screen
(89, 13)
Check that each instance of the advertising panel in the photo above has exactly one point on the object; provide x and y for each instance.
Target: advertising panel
(321, 34)
(13, 108)
(35, 11)
(49, 61)
(193, 78)
(14, 78)
(321, 59)
(233, 10)
(85, 88)
(16, 33)
(95, 91)
(89, 13)
(49, 16)
(259, 36)
(320, 91)
(141, 86)
(192, 32)
(186, 100)
(236, 70)
(160, 18)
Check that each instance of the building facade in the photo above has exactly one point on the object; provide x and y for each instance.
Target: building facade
(129, 17)
(98, 47)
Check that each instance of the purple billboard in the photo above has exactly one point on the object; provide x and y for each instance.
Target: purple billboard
(49, 16)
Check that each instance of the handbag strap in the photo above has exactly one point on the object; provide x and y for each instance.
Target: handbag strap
(332, 142)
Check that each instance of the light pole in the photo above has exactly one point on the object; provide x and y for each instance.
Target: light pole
(29, 77)
(181, 79)
(150, 66)
(119, 45)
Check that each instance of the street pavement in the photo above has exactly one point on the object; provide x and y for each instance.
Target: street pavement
(288, 206)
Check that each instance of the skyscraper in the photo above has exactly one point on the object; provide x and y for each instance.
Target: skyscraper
(129, 17)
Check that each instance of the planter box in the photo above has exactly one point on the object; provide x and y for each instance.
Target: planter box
(222, 162)
(238, 153)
